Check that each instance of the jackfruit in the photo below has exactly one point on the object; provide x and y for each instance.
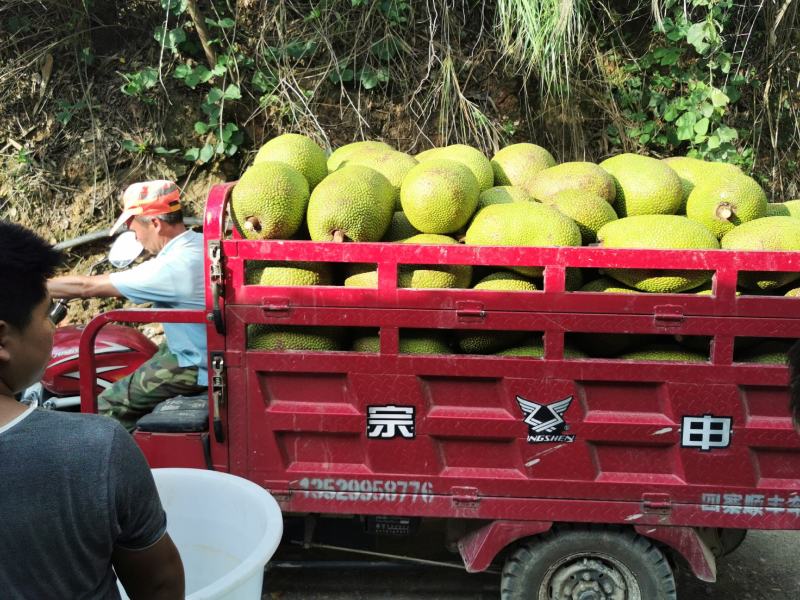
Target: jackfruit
(502, 194)
(468, 156)
(665, 353)
(419, 276)
(400, 228)
(439, 195)
(579, 176)
(776, 209)
(768, 352)
(573, 278)
(693, 170)
(588, 210)
(352, 203)
(706, 290)
(723, 201)
(644, 185)
(269, 201)
(606, 284)
(297, 151)
(293, 337)
(390, 163)
(488, 342)
(517, 164)
(506, 281)
(278, 273)
(605, 345)
(411, 341)
(790, 208)
(536, 350)
(658, 232)
(483, 341)
(341, 154)
(777, 234)
(522, 224)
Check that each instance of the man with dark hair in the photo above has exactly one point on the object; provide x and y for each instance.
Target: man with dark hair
(173, 279)
(79, 497)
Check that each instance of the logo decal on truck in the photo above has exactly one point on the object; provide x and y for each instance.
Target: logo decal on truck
(546, 422)
(706, 432)
(390, 421)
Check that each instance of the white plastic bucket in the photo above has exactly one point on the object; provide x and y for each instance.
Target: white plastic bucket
(226, 529)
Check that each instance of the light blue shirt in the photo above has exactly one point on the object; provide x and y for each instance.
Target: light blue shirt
(174, 279)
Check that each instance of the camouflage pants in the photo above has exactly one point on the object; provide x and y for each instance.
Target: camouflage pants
(158, 379)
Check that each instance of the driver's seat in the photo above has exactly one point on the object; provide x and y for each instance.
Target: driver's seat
(181, 414)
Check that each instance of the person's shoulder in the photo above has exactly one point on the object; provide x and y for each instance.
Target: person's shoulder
(188, 242)
(76, 426)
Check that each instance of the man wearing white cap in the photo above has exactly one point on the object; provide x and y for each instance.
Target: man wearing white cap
(172, 279)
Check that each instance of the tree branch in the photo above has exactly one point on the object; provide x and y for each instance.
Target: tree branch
(202, 31)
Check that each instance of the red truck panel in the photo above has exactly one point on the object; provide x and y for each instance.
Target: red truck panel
(582, 440)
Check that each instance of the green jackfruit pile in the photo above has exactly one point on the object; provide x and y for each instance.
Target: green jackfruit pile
(369, 191)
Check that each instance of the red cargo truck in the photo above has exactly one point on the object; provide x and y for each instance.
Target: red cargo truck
(590, 477)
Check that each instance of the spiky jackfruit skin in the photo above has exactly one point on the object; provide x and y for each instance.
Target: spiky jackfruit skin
(522, 224)
(502, 194)
(573, 278)
(587, 209)
(468, 156)
(658, 232)
(725, 201)
(578, 176)
(768, 352)
(506, 281)
(297, 151)
(354, 200)
(400, 228)
(606, 345)
(439, 196)
(287, 337)
(665, 354)
(645, 186)
(411, 341)
(269, 201)
(536, 350)
(489, 342)
(278, 273)
(693, 170)
(343, 153)
(776, 209)
(390, 163)
(777, 234)
(517, 164)
(419, 276)
(606, 284)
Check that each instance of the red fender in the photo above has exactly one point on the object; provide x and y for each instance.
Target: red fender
(686, 542)
(479, 548)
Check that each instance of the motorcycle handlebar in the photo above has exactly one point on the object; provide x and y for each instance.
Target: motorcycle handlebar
(58, 311)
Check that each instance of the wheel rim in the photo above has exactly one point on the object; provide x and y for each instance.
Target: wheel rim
(589, 576)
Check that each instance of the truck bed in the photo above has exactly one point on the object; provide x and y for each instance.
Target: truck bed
(591, 439)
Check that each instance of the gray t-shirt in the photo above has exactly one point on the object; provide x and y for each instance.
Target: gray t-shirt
(72, 487)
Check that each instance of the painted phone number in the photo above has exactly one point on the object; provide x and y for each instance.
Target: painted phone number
(367, 490)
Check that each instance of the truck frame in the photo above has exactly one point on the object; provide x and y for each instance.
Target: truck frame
(591, 477)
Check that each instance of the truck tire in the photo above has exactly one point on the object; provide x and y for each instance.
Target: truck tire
(601, 563)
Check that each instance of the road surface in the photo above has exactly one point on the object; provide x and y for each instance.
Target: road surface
(765, 567)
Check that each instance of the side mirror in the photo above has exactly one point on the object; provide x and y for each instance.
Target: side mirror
(124, 250)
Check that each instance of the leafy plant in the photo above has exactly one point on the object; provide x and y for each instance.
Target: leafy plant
(679, 97)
